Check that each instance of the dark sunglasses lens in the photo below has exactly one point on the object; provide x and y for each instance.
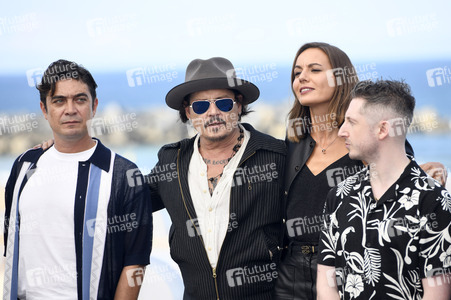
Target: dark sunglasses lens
(200, 107)
(225, 105)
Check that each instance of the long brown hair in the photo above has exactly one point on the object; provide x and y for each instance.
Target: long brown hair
(341, 97)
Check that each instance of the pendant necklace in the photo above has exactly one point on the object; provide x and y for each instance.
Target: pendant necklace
(323, 150)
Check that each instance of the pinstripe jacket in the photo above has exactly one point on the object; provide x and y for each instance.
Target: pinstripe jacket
(248, 258)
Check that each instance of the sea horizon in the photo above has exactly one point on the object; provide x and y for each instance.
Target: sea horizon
(145, 87)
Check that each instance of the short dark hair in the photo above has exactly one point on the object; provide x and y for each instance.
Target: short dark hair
(392, 94)
(244, 108)
(60, 70)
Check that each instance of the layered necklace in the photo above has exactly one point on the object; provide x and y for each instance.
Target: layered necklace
(214, 180)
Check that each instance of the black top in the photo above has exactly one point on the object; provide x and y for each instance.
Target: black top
(382, 249)
(305, 218)
(298, 154)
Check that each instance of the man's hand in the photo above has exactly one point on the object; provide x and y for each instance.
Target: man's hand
(437, 287)
(45, 145)
(326, 283)
(437, 171)
(130, 282)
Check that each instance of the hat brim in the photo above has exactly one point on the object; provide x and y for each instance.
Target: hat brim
(175, 97)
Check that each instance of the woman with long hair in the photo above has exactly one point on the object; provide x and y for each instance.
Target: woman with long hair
(322, 78)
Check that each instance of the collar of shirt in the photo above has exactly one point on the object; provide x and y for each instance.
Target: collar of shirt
(212, 210)
(392, 193)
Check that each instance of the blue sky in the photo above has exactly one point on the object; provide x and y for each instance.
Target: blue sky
(114, 35)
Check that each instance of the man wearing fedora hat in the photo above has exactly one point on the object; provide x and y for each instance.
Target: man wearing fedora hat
(225, 203)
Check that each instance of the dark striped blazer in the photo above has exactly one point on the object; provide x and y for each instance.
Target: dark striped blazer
(247, 262)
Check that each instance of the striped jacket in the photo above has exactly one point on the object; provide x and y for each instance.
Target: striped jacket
(120, 193)
(247, 262)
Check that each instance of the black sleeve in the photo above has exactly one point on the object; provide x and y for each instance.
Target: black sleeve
(331, 203)
(138, 236)
(157, 203)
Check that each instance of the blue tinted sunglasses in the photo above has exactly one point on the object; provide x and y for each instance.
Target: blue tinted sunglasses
(201, 106)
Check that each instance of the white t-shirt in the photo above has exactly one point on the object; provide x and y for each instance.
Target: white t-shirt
(47, 262)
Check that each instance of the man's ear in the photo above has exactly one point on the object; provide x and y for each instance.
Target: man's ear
(238, 103)
(383, 129)
(188, 112)
(43, 109)
(94, 107)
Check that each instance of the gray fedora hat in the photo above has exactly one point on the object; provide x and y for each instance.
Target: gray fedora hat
(213, 73)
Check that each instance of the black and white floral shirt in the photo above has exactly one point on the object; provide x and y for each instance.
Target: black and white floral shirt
(382, 249)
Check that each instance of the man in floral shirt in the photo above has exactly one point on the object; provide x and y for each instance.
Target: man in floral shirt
(389, 234)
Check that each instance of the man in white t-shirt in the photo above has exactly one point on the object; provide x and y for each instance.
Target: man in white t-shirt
(76, 226)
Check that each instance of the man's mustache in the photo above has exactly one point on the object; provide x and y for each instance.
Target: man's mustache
(214, 120)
